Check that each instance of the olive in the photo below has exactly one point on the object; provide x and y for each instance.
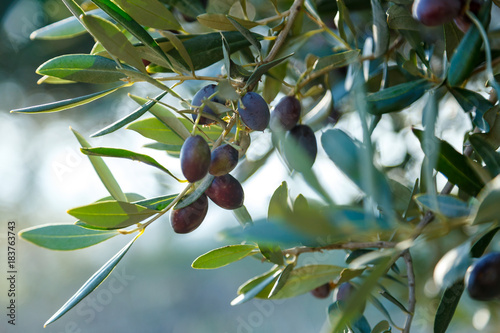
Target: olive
(254, 111)
(300, 148)
(437, 12)
(345, 292)
(462, 21)
(483, 278)
(226, 192)
(198, 99)
(195, 158)
(189, 218)
(322, 291)
(286, 114)
(224, 160)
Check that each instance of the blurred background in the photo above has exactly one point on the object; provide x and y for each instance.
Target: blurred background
(154, 288)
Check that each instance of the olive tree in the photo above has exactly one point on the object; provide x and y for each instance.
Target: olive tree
(292, 72)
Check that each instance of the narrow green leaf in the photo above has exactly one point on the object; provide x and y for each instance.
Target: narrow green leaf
(251, 283)
(320, 112)
(447, 205)
(150, 13)
(262, 69)
(346, 152)
(222, 256)
(399, 17)
(452, 37)
(337, 60)
(467, 53)
(282, 280)
(243, 216)
(222, 22)
(397, 97)
(245, 32)
(102, 171)
(382, 327)
(206, 49)
(472, 101)
(354, 305)
(67, 103)
(201, 187)
(67, 28)
(415, 40)
(274, 233)
(242, 298)
(393, 300)
(111, 214)
(447, 306)
(73, 7)
(452, 294)
(191, 8)
(380, 307)
(166, 117)
(131, 117)
(113, 40)
(82, 68)
(489, 155)
(278, 205)
(272, 253)
(455, 166)
(153, 128)
(127, 154)
(158, 203)
(344, 18)
(380, 28)
(487, 208)
(93, 282)
(130, 25)
(53, 80)
(478, 248)
(452, 266)
(348, 274)
(306, 278)
(273, 82)
(65, 237)
(176, 42)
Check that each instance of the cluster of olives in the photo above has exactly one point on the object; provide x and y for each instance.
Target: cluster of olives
(298, 138)
(437, 12)
(225, 191)
(197, 160)
(483, 278)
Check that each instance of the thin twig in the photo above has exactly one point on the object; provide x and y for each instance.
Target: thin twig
(293, 12)
(343, 246)
(411, 290)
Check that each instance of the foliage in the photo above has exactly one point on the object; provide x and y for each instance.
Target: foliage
(387, 70)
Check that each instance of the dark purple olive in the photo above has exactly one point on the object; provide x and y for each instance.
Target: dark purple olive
(345, 292)
(286, 114)
(300, 148)
(437, 12)
(189, 218)
(483, 278)
(195, 158)
(224, 160)
(198, 99)
(226, 192)
(254, 112)
(322, 291)
(462, 21)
